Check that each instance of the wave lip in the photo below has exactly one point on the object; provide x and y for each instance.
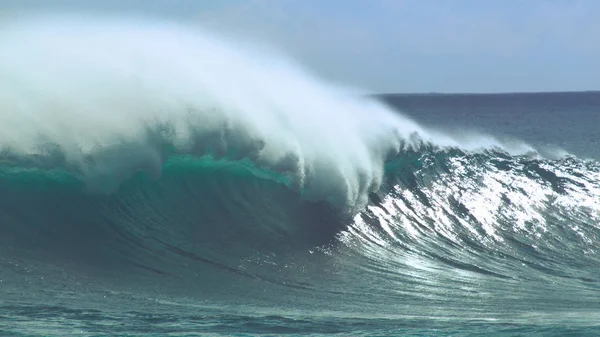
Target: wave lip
(86, 86)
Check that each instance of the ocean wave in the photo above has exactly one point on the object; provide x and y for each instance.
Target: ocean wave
(479, 206)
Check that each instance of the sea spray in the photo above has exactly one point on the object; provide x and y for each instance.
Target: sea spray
(108, 97)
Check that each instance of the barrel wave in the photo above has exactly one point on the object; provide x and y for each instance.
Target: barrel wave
(164, 180)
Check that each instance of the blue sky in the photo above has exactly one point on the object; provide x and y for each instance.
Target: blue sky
(401, 45)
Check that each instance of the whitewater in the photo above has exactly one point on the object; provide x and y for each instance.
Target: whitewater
(160, 179)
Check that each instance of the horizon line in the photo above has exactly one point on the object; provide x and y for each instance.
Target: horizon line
(436, 93)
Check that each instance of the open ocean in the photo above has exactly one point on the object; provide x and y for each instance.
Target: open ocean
(156, 180)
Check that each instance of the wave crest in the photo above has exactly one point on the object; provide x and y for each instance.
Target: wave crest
(108, 97)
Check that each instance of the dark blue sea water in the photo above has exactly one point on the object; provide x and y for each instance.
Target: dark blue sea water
(202, 189)
(564, 120)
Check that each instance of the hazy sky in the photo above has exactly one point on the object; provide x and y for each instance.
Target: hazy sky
(402, 45)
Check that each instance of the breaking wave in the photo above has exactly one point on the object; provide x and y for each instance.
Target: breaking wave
(178, 155)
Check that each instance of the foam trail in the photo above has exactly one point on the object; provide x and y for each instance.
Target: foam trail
(95, 88)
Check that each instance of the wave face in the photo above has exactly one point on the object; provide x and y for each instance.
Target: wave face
(221, 189)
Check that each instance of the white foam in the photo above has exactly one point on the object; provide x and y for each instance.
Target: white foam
(88, 83)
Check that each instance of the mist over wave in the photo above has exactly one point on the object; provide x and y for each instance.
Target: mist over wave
(107, 97)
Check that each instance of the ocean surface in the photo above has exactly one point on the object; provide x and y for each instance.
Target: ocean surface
(156, 180)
